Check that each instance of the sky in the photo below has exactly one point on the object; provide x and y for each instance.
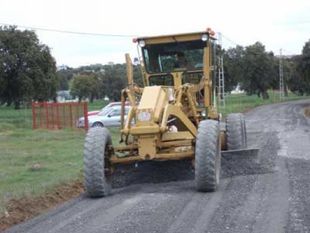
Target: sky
(277, 24)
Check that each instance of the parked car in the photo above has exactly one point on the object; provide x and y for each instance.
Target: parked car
(107, 107)
(106, 117)
(91, 113)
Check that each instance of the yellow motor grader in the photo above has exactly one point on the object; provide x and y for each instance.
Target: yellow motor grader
(173, 117)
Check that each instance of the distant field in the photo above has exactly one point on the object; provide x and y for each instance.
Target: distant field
(34, 161)
(243, 102)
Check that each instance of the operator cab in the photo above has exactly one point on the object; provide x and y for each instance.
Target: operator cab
(176, 59)
(177, 56)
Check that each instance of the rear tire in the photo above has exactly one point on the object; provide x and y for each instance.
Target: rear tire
(96, 162)
(207, 156)
(236, 132)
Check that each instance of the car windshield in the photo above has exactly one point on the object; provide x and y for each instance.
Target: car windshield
(105, 111)
(164, 58)
(113, 111)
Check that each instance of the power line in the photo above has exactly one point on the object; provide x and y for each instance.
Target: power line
(237, 44)
(230, 40)
(287, 52)
(68, 31)
(295, 22)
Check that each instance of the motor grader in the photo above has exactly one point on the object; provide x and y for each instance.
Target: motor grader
(173, 117)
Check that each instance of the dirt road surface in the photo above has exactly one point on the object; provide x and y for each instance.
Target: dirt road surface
(270, 196)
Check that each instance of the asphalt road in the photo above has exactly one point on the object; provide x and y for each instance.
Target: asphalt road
(268, 195)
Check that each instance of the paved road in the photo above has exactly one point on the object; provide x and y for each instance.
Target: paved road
(272, 196)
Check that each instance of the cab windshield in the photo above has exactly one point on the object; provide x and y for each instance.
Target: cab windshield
(165, 58)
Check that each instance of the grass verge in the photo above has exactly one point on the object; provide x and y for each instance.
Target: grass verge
(33, 161)
(243, 102)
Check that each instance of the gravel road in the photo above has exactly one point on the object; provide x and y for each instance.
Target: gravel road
(271, 195)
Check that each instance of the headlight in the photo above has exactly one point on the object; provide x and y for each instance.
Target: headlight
(80, 122)
(144, 116)
(141, 43)
(204, 37)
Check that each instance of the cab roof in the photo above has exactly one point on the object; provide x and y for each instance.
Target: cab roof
(176, 37)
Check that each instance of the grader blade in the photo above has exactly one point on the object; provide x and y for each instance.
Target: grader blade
(240, 162)
(249, 153)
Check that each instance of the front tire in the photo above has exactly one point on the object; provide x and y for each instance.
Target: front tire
(97, 173)
(207, 156)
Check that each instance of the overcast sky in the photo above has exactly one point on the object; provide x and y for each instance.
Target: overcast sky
(277, 24)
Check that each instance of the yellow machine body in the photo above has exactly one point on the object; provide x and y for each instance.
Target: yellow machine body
(164, 116)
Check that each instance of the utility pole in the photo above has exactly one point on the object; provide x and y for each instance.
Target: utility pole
(221, 77)
(281, 82)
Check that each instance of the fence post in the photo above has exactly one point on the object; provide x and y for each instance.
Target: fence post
(85, 115)
(52, 114)
(70, 109)
(34, 125)
(57, 116)
(41, 114)
(45, 104)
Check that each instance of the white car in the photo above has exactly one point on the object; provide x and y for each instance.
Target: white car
(105, 118)
(107, 107)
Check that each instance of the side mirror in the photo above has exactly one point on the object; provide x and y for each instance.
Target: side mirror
(109, 115)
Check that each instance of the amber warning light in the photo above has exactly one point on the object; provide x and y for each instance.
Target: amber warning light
(210, 32)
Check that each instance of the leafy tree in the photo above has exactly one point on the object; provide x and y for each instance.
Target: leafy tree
(233, 67)
(289, 74)
(252, 67)
(85, 86)
(27, 69)
(137, 75)
(294, 81)
(303, 69)
(65, 76)
(114, 80)
(258, 70)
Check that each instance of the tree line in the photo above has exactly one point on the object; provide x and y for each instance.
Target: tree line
(253, 68)
(97, 81)
(28, 72)
(257, 70)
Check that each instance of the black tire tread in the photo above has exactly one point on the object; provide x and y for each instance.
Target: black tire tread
(97, 124)
(236, 131)
(96, 182)
(206, 155)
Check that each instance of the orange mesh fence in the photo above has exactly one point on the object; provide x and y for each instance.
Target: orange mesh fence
(58, 115)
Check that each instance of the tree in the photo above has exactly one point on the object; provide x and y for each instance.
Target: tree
(114, 80)
(65, 76)
(303, 69)
(137, 75)
(233, 67)
(258, 70)
(252, 67)
(85, 86)
(27, 69)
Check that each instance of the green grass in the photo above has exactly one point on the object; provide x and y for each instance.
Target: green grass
(9, 117)
(34, 161)
(57, 155)
(243, 102)
(97, 105)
